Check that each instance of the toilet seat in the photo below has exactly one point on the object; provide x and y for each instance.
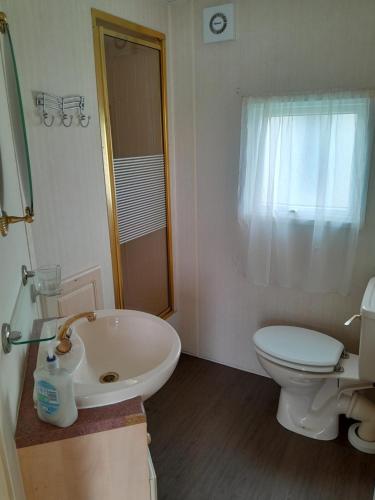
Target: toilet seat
(299, 348)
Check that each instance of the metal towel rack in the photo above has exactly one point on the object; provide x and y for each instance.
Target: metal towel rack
(50, 106)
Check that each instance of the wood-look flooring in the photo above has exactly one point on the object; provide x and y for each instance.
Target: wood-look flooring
(215, 437)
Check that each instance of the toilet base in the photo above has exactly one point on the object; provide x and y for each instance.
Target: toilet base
(295, 414)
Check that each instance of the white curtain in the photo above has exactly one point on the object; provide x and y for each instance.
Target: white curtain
(304, 167)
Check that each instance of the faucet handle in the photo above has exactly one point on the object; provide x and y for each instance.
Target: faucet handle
(349, 321)
(63, 347)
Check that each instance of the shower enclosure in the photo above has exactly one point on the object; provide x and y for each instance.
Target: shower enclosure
(130, 66)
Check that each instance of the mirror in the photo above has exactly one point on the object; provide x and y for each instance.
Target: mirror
(18, 127)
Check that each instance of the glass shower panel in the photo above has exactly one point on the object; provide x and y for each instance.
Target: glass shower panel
(135, 104)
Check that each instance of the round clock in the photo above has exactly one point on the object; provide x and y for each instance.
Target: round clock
(218, 23)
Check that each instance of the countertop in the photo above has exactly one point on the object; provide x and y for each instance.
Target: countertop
(31, 431)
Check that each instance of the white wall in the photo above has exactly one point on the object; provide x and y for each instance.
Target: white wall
(183, 159)
(282, 46)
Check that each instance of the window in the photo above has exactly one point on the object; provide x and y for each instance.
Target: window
(304, 168)
(311, 157)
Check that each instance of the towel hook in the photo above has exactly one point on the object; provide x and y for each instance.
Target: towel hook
(67, 109)
(65, 117)
(45, 118)
(84, 120)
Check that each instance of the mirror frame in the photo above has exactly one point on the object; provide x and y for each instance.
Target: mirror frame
(5, 219)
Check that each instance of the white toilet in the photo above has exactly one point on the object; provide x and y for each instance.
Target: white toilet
(319, 380)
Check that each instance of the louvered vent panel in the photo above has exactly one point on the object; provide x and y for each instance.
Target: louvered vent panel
(140, 195)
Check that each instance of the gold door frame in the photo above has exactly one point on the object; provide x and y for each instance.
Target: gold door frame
(150, 38)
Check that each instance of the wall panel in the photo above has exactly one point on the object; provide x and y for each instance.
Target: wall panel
(280, 47)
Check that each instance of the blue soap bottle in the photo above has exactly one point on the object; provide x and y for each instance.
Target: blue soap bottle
(53, 393)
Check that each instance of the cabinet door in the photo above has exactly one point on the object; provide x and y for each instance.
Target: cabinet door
(111, 465)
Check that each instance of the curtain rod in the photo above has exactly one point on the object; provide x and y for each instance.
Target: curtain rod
(365, 91)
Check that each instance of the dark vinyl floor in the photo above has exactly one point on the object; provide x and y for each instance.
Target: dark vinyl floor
(215, 437)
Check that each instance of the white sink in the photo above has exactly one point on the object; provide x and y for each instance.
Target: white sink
(134, 351)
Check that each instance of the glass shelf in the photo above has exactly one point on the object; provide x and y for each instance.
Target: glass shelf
(49, 332)
(24, 327)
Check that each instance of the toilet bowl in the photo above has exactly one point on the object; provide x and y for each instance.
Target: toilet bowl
(319, 380)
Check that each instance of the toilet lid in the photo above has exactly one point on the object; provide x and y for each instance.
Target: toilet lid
(299, 345)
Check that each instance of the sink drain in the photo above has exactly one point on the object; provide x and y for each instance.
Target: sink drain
(108, 377)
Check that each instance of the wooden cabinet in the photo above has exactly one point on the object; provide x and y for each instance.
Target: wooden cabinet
(107, 465)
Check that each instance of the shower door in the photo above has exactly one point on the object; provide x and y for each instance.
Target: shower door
(132, 103)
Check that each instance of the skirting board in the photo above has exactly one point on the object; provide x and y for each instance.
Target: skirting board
(261, 373)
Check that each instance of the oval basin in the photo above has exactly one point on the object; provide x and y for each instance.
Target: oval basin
(120, 355)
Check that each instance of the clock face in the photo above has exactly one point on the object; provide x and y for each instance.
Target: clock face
(218, 23)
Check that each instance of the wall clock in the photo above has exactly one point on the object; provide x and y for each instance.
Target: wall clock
(218, 23)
